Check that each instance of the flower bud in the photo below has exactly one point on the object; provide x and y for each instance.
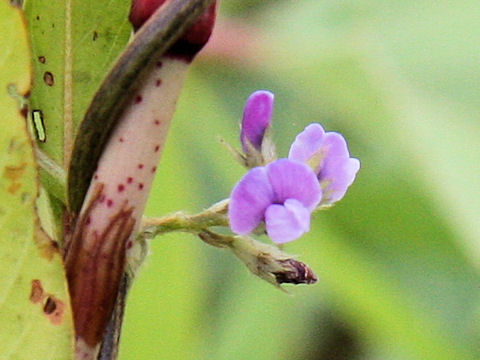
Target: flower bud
(257, 115)
(270, 263)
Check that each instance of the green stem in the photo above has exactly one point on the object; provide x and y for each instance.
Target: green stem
(264, 260)
(213, 216)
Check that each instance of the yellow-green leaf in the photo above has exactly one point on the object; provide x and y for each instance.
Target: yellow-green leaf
(74, 43)
(34, 304)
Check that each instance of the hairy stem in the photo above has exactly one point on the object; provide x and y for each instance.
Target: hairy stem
(213, 216)
(265, 261)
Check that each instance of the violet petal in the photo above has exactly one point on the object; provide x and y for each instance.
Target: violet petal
(294, 180)
(307, 143)
(249, 200)
(256, 118)
(335, 168)
(287, 222)
(339, 173)
(334, 145)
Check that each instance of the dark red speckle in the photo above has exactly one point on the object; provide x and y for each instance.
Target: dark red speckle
(88, 221)
(159, 64)
(157, 122)
(138, 99)
(129, 180)
(154, 169)
(157, 148)
(120, 187)
(95, 177)
(48, 78)
(158, 82)
(121, 139)
(140, 186)
(109, 202)
(129, 244)
(140, 166)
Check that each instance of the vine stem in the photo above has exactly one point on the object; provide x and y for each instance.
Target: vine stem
(150, 42)
(162, 30)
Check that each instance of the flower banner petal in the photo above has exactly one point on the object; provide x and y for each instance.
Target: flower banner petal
(294, 180)
(307, 143)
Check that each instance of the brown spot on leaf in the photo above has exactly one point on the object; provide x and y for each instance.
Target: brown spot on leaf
(54, 309)
(42, 59)
(24, 111)
(13, 188)
(14, 174)
(48, 78)
(158, 82)
(47, 247)
(49, 306)
(36, 292)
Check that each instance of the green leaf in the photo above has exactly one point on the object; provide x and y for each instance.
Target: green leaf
(34, 303)
(74, 44)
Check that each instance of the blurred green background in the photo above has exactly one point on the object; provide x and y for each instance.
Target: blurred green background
(397, 259)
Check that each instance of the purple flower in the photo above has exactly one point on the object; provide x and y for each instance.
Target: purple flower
(256, 119)
(328, 155)
(283, 194)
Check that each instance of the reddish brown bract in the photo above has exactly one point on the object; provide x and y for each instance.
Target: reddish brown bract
(141, 10)
(191, 42)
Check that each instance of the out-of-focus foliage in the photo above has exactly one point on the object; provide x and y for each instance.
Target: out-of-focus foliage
(35, 313)
(398, 258)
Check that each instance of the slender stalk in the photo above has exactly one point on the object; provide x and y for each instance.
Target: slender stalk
(263, 260)
(213, 216)
(113, 96)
